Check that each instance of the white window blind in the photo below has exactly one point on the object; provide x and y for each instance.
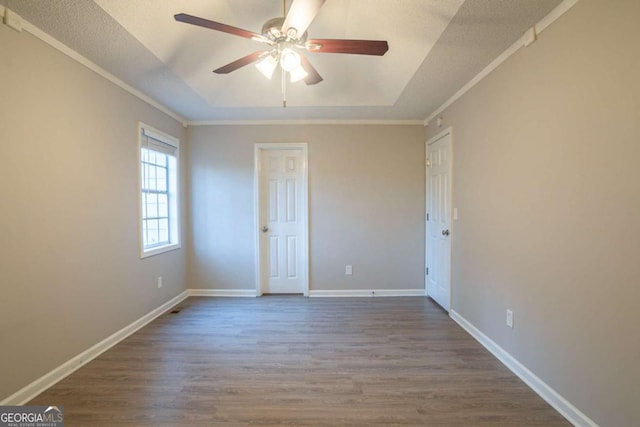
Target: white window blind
(151, 143)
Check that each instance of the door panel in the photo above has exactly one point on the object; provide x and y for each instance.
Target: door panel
(273, 200)
(439, 220)
(281, 204)
(273, 257)
(291, 200)
(292, 257)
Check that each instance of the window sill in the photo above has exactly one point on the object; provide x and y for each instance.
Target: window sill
(160, 250)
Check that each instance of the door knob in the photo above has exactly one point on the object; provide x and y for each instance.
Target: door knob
(265, 229)
(445, 232)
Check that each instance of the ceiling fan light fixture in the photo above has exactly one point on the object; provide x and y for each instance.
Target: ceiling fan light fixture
(285, 35)
(298, 74)
(267, 66)
(289, 59)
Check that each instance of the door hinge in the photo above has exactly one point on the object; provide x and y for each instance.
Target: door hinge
(428, 162)
(427, 216)
(426, 271)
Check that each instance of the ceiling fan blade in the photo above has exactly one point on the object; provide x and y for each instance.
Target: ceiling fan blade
(358, 47)
(212, 25)
(239, 63)
(313, 77)
(301, 14)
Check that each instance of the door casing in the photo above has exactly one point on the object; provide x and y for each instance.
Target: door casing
(260, 148)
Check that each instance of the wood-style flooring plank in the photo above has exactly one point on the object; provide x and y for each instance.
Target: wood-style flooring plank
(294, 361)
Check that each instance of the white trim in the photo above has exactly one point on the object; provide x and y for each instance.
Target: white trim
(367, 293)
(552, 397)
(556, 13)
(158, 134)
(552, 16)
(56, 44)
(262, 146)
(305, 122)
(159, 250)
(30, 391)
(221, 292)
(256, 220)
(175, 214)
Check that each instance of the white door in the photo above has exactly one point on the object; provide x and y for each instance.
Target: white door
(438, 249)
(282, 219)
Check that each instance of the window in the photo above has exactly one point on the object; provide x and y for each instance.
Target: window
(159, 230)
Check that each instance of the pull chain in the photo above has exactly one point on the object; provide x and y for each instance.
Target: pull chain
(284, 90)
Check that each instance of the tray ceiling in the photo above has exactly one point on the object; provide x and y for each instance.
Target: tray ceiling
(435, 47)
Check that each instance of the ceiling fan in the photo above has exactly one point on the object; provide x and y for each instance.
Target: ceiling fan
(286, 36)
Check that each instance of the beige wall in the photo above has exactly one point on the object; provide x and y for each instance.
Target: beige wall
(545, 179)
(70, 272)
(547, 184)
(366, 203)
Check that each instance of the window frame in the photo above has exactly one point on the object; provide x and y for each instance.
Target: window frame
(174, 197)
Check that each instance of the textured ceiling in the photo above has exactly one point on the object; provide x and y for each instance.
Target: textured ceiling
(350, 80)
(435, 47)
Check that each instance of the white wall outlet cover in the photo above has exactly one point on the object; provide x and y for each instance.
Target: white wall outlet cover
(159, 282)
(455, 214)
(348, 270)
(510, 318)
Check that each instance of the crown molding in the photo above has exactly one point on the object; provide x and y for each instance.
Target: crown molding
(305, 122)
(58, 45)
(556, 13)
(551, 17)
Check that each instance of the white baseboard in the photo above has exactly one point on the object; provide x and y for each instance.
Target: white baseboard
(222, 292)
(368, 293)
(552, 397)
(312, 293)
(30, 391)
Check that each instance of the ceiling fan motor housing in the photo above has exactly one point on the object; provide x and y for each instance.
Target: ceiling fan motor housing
(272, 29)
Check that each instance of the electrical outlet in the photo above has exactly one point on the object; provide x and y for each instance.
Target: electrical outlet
(159, 282)
(348, 270)
(509, 318)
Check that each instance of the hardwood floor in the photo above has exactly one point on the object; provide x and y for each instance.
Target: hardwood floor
(288, 360)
